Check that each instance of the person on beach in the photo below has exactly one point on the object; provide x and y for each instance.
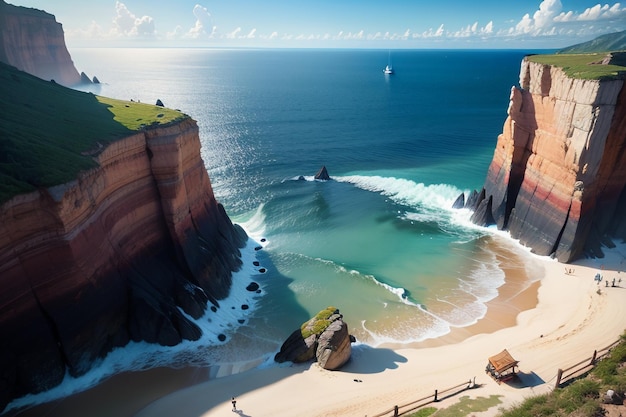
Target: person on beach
(234, 404)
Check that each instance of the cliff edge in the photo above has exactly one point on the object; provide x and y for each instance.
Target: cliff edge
(557, 179)
(33, 41)
(122, 252)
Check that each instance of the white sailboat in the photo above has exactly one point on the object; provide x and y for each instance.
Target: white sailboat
(389, 68)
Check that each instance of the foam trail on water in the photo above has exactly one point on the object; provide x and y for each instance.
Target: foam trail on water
(403, 191)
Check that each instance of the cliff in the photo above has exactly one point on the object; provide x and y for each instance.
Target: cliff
(33, 41)
(115, 255)
(558, 174)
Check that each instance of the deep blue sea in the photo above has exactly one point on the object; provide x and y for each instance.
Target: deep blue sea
(380, 240)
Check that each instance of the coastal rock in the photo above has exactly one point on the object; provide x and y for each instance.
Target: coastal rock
(84, 78)
(322, 174)
(324, 338)
(334, 346)
(459, 202)
(116, 255)
(32, 41)
(482, 214)
(558, 172)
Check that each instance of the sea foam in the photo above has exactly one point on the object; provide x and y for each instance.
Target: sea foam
(136, 356)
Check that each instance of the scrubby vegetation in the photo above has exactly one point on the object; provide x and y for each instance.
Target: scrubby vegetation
(583, 66)
(49, 133)
(582, 398)
(320, 322)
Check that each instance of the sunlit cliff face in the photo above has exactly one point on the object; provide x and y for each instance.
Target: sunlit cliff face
(559, 168)
(33, 41)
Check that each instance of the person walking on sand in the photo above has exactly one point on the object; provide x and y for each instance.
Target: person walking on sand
(234, 404)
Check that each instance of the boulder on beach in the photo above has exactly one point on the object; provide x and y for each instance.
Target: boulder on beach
(324, 338)
(322, 174)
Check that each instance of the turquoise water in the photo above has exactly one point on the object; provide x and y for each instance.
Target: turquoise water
(379, 241)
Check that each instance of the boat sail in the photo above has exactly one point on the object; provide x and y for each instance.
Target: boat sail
(389, 68)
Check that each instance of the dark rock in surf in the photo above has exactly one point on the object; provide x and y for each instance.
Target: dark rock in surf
(322, 174)
(459, 202)
(482, 215)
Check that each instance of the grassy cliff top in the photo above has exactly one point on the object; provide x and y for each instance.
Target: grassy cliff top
(49, 133)
(583, 66)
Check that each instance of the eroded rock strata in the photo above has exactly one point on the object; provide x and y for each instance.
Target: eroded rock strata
(558, 173)
(111, 257)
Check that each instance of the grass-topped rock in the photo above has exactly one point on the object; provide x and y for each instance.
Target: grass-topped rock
(591, 66)
(324, 338)
(50, 133)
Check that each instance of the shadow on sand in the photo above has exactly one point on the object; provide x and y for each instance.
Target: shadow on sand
(369, 360)
(526, 380)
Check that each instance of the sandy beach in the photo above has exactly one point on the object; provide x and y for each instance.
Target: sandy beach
(571, 319)
(553, 323)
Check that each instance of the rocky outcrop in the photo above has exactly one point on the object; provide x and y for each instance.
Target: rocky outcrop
(558, 174)
(117, 255)
(33, 41)
(322, 174)
(324, 338)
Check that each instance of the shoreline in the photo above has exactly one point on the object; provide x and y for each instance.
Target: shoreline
(554, 334)
(527, 319)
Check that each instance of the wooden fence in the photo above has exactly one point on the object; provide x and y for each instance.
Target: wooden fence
(563, 376)
(566, 375)
(399, 410)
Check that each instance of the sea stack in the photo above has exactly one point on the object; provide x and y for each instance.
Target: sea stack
(322, 174)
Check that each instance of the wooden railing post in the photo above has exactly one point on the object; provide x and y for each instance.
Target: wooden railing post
(559, 374)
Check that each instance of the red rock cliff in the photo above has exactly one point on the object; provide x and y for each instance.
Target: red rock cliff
(33, 41)
(111, 257)
(558, 173)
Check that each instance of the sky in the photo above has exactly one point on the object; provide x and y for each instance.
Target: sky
(389, 24)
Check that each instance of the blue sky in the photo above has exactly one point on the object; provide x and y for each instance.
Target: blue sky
(334, 23)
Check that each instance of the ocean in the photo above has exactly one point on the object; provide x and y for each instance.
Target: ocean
(380, 240)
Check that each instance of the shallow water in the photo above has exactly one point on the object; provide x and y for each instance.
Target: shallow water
(380, 240)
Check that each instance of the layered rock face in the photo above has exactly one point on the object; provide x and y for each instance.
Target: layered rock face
(324, 338)
(111, 257)
(558, 173)
(33, 41)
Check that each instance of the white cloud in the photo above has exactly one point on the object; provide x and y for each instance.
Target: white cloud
(595, 13)
(551, 20)
(203, 26)
(542, 19)
(234, 34)
(126, 23)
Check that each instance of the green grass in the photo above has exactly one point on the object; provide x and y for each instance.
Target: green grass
(467, 406)
(49, 133)
(582, 397)
(581, 65)
(424, 412)
(321, 322)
